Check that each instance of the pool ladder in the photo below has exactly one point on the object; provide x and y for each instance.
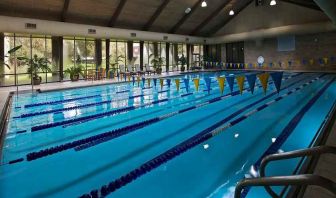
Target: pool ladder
(294, 180)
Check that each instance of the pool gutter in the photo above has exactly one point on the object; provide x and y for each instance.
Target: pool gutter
(4, 116)
(308, 165)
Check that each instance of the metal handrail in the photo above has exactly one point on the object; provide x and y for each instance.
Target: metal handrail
(314, 151)
(294, 180)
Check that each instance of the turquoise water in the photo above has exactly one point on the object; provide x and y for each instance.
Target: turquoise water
(209, 169)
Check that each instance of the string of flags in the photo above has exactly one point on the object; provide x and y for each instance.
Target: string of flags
(322, 61)
(231, 79)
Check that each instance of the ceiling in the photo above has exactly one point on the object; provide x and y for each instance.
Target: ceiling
(166, 16)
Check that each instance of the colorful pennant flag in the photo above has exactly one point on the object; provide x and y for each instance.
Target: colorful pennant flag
(230, 81)
(154, 80)
(251, 79)
(186, 83)
(177, 82)
(240, 82)
(161, 83)
(133, 80)
(277, 79)
(125, 77)
(168, 82)
(196, 83)
(221, 84)
(148, 81)
(325, 60)
(264, 80)
(138, 80)
(129, 78)
(143, 81)
(208, 83)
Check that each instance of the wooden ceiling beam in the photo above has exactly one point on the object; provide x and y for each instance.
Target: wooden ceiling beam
(210, 17)
(117, 12)
(65, 10)
(311, 5)
(215, 29)
(185, 17)
(155, 15)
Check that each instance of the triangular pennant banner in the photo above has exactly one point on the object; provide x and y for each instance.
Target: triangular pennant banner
(143, 82)
(208, 83)
(221, 83)
(196, 83)
(154, 80)
(129, 78)
(277, 79)
(240, 82)
(186, 83)
(148, 81)
(161, 83)
(168, 82)
(264, 80)
(125, 78)
(251, 79)
(133, 80)
(138, 80)
(230, 80)
(177, 82)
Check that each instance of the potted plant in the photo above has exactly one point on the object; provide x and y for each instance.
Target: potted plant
(157, 63)
(35, 65)
(74, 72)
(183, 61)
(114, 64)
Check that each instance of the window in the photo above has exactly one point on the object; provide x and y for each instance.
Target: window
(18, 74)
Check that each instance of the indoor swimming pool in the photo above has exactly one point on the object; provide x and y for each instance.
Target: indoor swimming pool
(138, 139)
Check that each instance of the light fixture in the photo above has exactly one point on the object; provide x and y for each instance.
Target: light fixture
(273, 3)
(206, 146)
(236, 135)
(231, 12)
(187, 10)
(204, 4)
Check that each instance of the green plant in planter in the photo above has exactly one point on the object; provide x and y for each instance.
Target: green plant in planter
(157, 63)
(183, 61)
(114, 62)
(35, 65)
(11, 58)
(74, 72)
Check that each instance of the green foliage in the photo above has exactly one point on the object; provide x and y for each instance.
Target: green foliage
(114, 62)
(35, 65)
(10, 52)
(75, 70)
(183, 61)
(157, 62)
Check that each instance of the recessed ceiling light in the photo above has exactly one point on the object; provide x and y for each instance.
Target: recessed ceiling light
(204, 4)
(273, 140)
(273, 3)
(187, 10)
(231, 12)
(206, 146)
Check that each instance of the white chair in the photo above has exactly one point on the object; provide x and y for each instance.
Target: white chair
(138, 70)
(130, 69)
(123, 70)
(148, 70)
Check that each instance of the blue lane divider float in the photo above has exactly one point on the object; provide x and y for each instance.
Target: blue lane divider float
(72, 108)
(168, 155)
(97, 139)
(95, 116)
(287, 131)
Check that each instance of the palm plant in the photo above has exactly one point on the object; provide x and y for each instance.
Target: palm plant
(114, 62)
(157, 63)
(9, 53)
(74, 72)
(35, 65)
(183, 61)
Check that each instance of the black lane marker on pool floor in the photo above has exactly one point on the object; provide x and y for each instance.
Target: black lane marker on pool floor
(168, 155)
(103, 137)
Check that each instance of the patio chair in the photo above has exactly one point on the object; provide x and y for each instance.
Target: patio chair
(138, 69)
(90, 74)
(123, 70)
(148, 70)
(130, 70)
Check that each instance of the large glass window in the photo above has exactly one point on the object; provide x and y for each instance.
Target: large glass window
(136, 53)
(18, 73)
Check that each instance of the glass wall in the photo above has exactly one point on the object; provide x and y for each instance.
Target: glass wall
(118, 53)
(17, 73)
(196, 55)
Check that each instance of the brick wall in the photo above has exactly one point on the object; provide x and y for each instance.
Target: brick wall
(307, 47)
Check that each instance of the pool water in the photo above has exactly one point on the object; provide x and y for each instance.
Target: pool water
(125, 140)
